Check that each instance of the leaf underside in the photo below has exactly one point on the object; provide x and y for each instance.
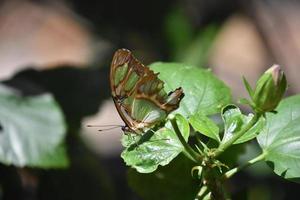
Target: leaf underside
(33, 131)
(234, 121)
(280, 139)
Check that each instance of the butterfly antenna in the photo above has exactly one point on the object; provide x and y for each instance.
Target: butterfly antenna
(110, 127)
(107, 125)
(106, 129)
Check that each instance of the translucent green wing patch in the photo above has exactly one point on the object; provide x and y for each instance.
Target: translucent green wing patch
(139, 94)
(147, 112)
(120, 73)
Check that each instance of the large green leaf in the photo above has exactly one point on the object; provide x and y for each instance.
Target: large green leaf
(172, 182)
(145, 153)
(205, 125)
(32, 130)
(204, 92)
(280, 138)
(234, 121)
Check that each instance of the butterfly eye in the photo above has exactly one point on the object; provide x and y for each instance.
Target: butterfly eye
(125, 129)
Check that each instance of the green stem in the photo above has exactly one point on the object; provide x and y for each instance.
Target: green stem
(233, 171)
(202, 192)
(237, 135)
(189, 150)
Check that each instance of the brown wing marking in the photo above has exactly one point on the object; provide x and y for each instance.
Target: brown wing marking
(152, 88)
(148, 87)
(120, 58)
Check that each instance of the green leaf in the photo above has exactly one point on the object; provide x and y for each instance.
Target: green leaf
(280, 138)
(234, 121)
(183, 126)
(248, 87)
(205, 126)
(33, 130)
(172, 182)
(145, 153)
(203, 91)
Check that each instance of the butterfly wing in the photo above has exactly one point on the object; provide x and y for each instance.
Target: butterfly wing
(125, 72)
(139, 94)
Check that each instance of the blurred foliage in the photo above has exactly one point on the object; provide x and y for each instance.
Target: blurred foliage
(187, 44)
(260, 169)
(232, 155)
(71, 88)
(32, 130)
(197, 51)
(178, 31)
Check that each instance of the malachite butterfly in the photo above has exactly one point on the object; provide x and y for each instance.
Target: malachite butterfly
(139, 94)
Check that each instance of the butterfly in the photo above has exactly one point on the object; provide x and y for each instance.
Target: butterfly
(139, 94)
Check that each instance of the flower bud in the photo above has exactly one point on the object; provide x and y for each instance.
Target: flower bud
(269, 90)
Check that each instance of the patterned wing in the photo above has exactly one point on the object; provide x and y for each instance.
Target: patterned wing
(150, 104)
(139, 94)
(125, 72)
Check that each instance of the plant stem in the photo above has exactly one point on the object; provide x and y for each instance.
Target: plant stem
(189, 150)
(237, 135)
(202, 192)
(233, 171)
(216, 186)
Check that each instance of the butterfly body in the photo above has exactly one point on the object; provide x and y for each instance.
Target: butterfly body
(139, 94)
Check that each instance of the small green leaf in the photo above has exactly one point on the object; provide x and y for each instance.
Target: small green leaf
(203, 91)
(171, 182)
(234, 121)
(33, 130)
(183, 126)
(245, 101)
(205, 126)
(248, 87)
(145, 153)
(280, 138)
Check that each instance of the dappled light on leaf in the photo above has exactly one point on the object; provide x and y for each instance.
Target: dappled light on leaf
(145, 153)
(234, 121)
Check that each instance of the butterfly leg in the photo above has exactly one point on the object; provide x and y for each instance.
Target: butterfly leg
(132, 137)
